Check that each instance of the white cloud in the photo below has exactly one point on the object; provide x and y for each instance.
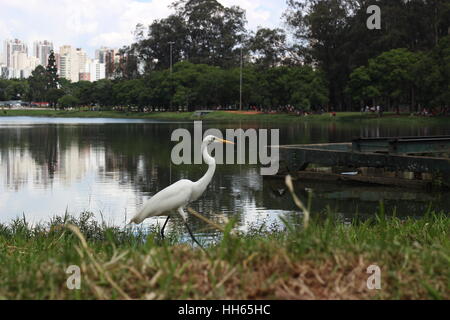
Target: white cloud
(92, 23)
(110, 39)
(265, 13)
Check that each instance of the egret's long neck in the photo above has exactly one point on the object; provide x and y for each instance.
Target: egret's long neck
(202, 183)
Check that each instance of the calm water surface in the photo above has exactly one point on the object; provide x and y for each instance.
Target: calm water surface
(112, 166)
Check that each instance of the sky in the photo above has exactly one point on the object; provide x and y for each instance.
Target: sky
(90, 24)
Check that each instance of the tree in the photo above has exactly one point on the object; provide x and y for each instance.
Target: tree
(441, 54)
(185, 81)
(390, 76)
(393, 73)
(52, 72)
(38, 82)
(83, 91)
(304, 88)
(128, 67)
(53, 95)
(361, 86)
(154, 50)
(128, 92)
(16, 90)
(3, 85)
(214, 31)
(268, 46)
(321, 27)
(103, 93)
(68, 101)
(201, 31)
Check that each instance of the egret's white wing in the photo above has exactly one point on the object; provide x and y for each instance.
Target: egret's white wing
(173, 197)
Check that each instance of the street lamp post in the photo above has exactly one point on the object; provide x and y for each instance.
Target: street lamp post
(240, 85)
(171, 78)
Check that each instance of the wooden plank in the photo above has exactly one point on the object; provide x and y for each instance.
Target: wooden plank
(298, 157)
(388, 181)
(409, 146)
(356, 159)
(403, 145)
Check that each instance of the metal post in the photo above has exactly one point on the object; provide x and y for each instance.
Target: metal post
(240, 85)
(171, 43)
(171, 78)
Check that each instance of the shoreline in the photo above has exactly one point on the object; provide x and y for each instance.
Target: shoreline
(228, 116)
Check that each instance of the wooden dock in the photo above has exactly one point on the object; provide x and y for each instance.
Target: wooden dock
(400, 161)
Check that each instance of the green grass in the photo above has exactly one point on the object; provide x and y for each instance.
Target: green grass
(96, 114)
(327, 260)
(228, 116)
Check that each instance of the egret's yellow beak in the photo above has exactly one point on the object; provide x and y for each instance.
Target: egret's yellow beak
(224, 141)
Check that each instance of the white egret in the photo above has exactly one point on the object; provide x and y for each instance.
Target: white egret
(179, 194)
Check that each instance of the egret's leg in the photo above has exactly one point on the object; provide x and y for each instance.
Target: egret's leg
(164, 226)
(184, 216)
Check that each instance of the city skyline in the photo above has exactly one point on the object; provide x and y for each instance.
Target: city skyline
(18, 60)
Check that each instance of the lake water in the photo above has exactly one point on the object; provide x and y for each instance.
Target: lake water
(111, 166)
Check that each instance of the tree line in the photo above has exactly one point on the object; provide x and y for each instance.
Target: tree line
(188, 87)
(326, 57)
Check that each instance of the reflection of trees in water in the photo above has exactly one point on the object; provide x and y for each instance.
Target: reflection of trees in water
(42, 145)
(378, 130)
(340, 131)
(139, 154)
(349, 199)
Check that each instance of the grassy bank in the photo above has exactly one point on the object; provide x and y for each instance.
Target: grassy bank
(230, 116)
(328, 260)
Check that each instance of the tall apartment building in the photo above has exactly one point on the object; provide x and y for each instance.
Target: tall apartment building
(15, 60)
(41, 50)
(95, 69)
(11, 46)
(58, 61)
(110, 58)
(69, 64)
(19, 60)
(82, 59)
(22, 65)
(100, 54)
(3, 69)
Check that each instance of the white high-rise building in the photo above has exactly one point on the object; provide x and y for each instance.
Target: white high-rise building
(33, 62)
(41, 50)
(82, 59)
(15, 60)
(69, 63)
(95, 69)
(11, 46)
(19, 60)
(65, 70)
(22, 65)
